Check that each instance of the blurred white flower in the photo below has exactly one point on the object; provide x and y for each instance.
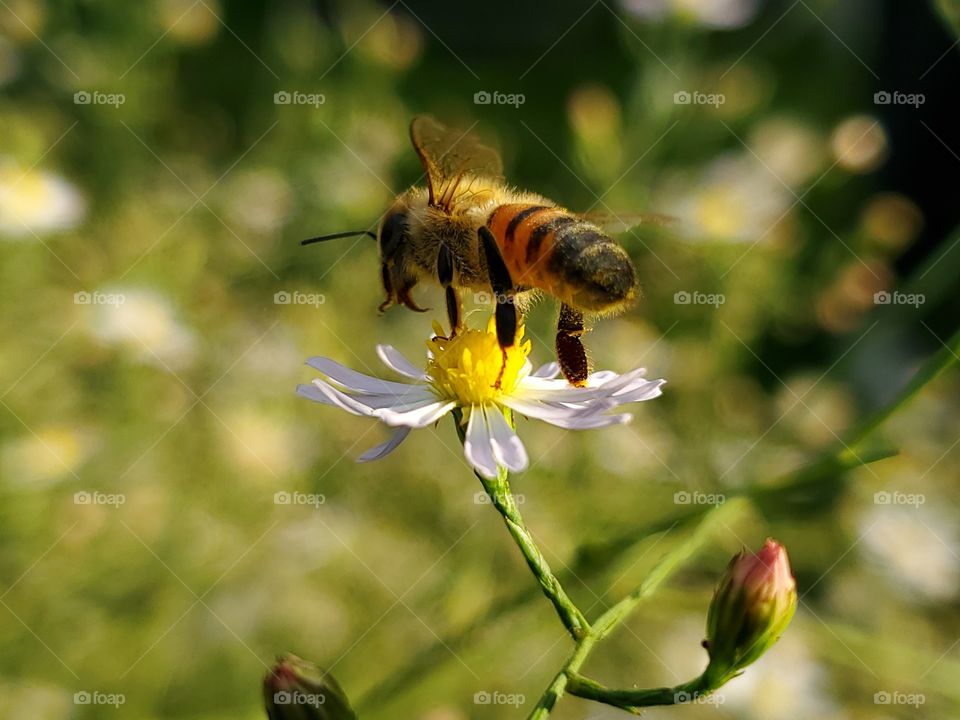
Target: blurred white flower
(469, 371)
(259, 199)
(259, 443)
(719, 14)
(791, 149)
(859, 144)
(915, 545)
(144, 322)
(36, 202)
(735, 199)
(49, 454)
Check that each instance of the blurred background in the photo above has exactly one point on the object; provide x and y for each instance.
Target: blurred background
(159, 163)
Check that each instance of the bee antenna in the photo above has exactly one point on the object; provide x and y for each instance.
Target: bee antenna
(337, 236)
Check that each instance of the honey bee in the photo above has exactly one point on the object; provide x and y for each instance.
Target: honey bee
(468, 229)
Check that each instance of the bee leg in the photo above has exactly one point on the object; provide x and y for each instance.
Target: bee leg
(505, 315)
(387, 286)
(404, 297)
(445, 267)
(570, 352)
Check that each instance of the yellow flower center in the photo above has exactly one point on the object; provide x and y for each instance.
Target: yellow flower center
(469, 367)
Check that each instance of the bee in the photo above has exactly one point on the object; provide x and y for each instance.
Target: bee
(468, 229)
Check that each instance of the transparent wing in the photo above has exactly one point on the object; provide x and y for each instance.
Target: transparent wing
(617, 222)
(449, 156)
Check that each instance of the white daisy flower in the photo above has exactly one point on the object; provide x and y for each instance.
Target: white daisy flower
(36, 202)
(462, 374)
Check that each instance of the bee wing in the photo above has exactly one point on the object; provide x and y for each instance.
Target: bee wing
(448, 156)
(622, 222)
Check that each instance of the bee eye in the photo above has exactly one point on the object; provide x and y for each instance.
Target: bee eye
(392, 234)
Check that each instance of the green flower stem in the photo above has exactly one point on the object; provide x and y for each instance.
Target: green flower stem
(633, 700)
(619, 612)
(590, 560)
(947, 356)
(498, 490)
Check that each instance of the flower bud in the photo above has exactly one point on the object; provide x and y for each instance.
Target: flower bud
(296, 689)
(751, 607)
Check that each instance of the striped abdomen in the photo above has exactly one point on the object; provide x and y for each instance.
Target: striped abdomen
(558, 252)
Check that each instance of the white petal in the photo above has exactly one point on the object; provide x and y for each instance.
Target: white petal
(644, 391)
(507, 447)
(353, 380)
(418, 415)
(330, 395)
(571, 418)
(621, 382)
(548, 371)
(553, 411)
(600, 377)
(414, 397)
(383, 449)
(477, 445)
(592, 421)
(395, 360)
(554, 390)
(312, 392)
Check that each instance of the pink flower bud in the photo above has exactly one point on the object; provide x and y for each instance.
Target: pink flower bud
(296, 689)
(752, 606)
